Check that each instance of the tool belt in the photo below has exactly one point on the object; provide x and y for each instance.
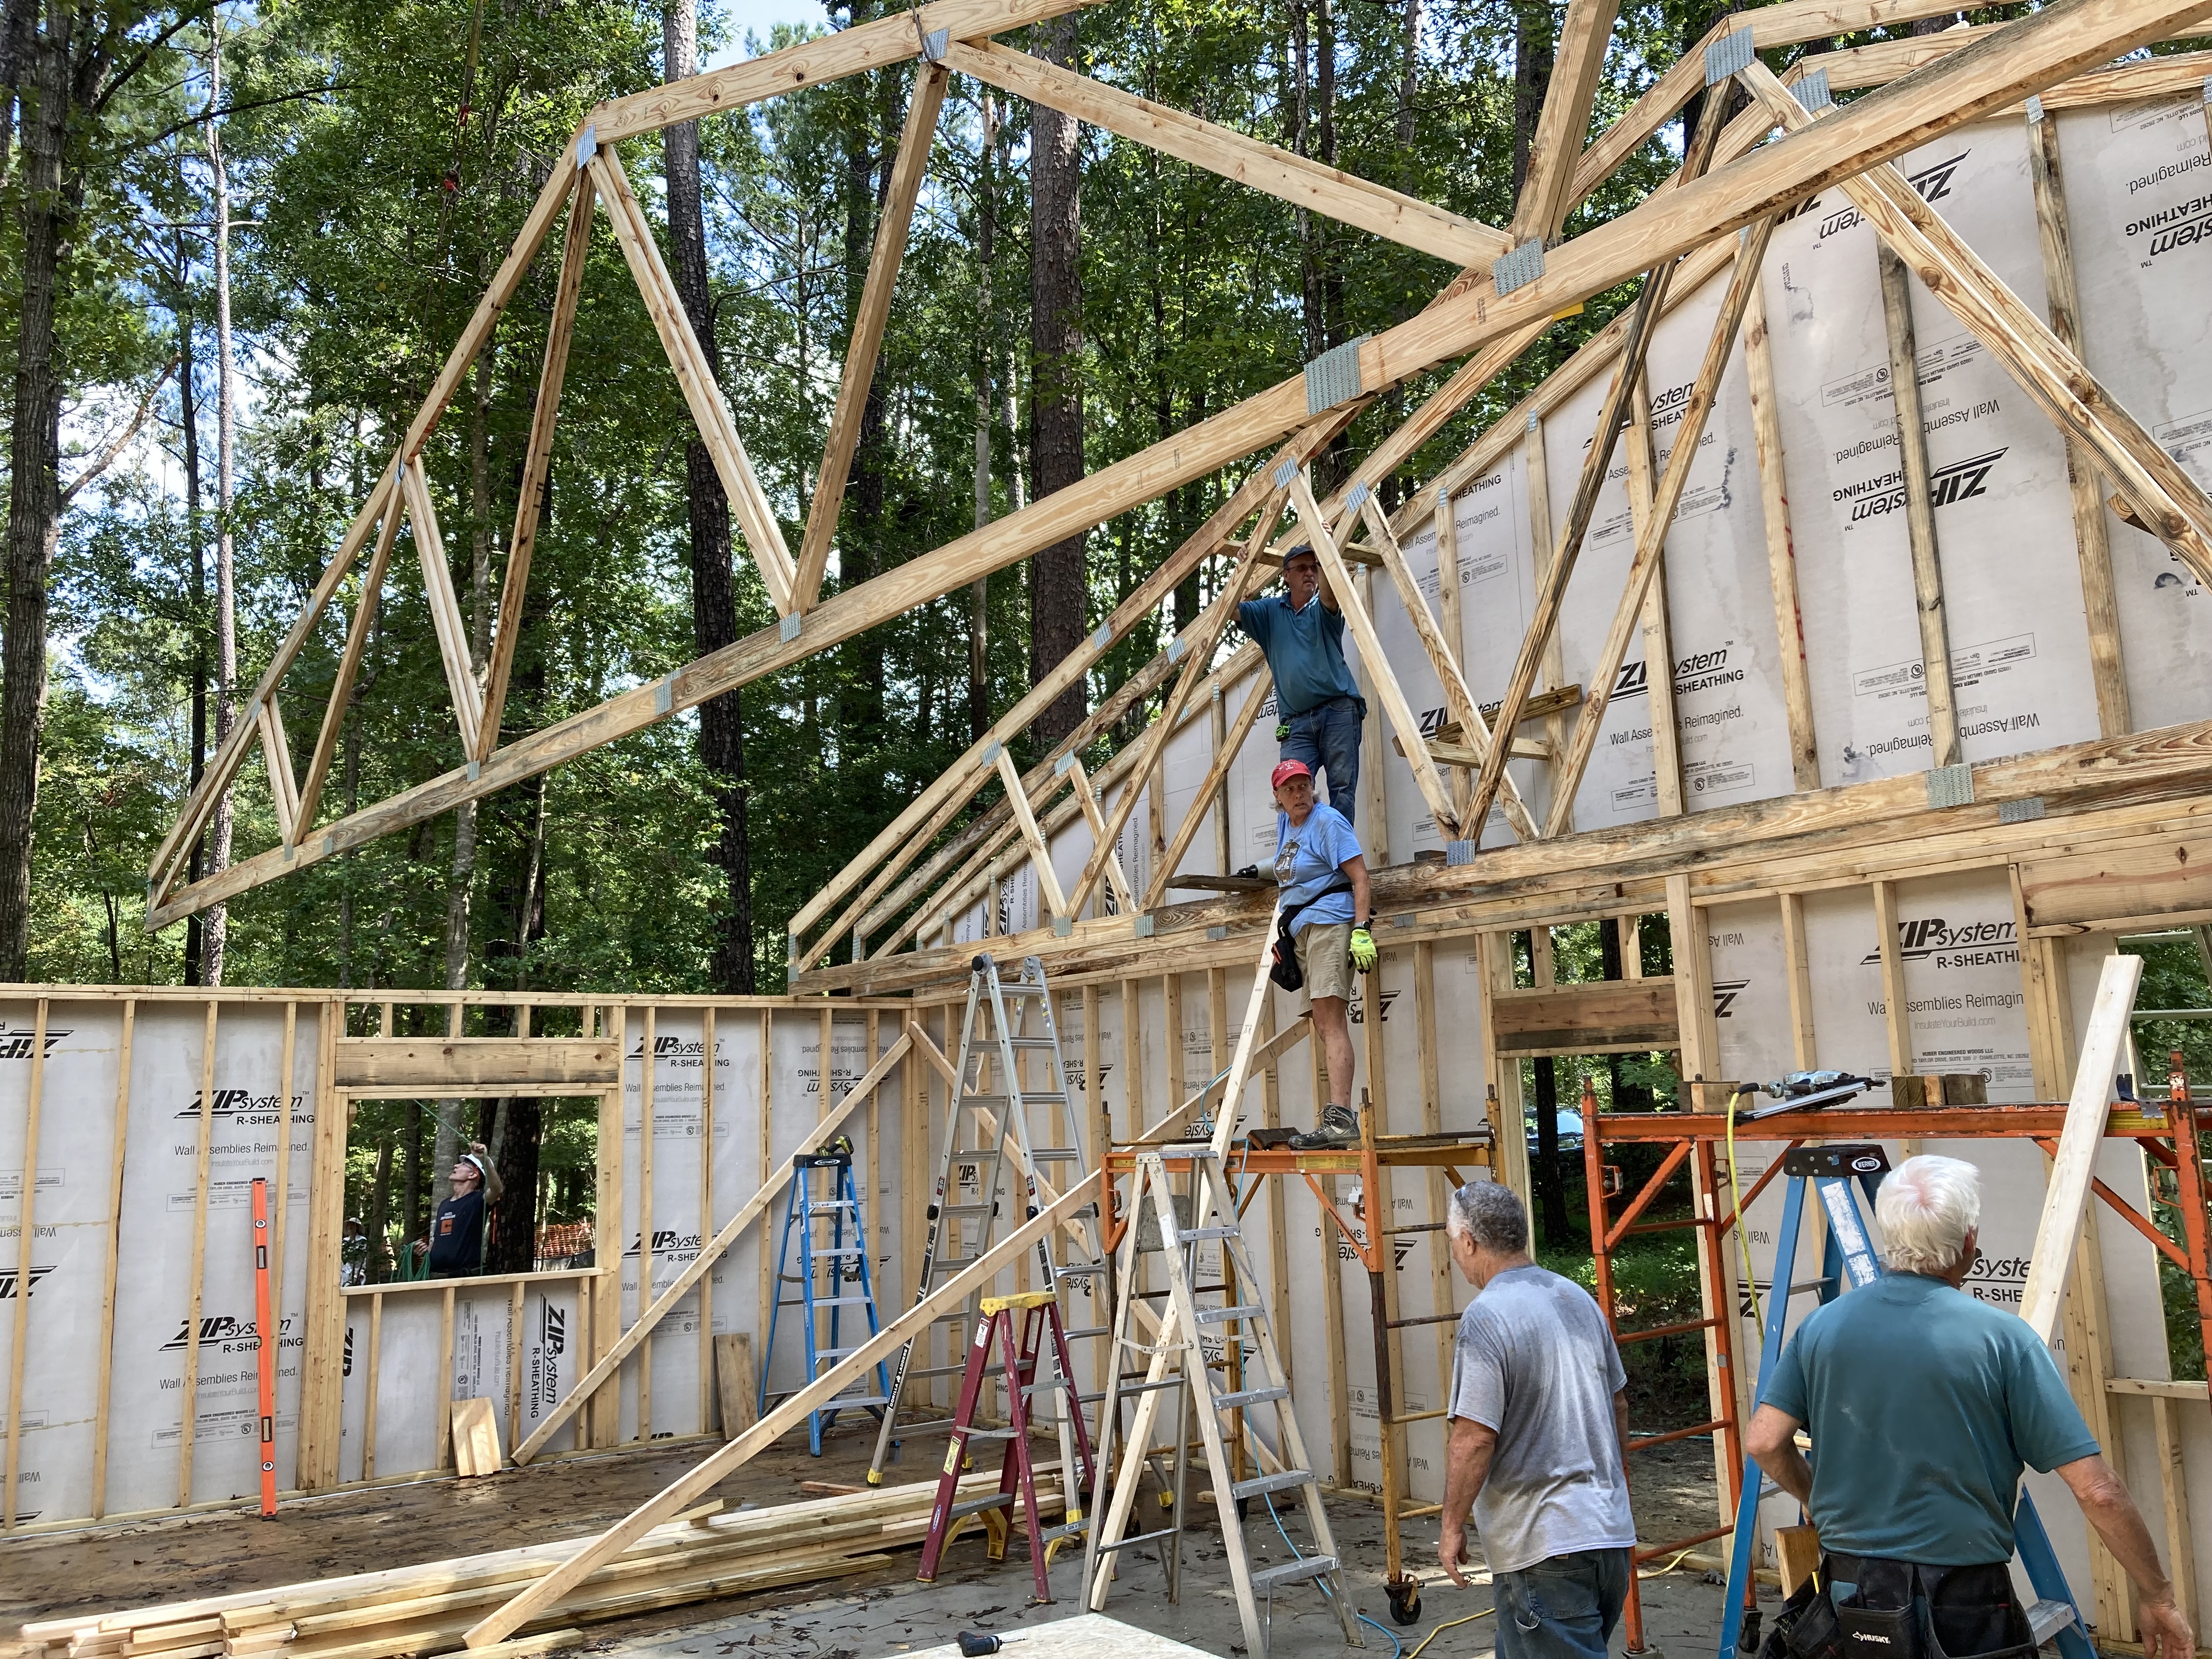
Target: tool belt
(1902, 1610)
(1283, 961)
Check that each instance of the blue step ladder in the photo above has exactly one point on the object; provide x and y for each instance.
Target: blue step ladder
(830, 1273)
(1848, 1261)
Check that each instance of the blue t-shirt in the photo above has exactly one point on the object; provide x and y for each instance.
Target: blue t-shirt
(1304, 650)
(1309, 858)
(1923, 1403)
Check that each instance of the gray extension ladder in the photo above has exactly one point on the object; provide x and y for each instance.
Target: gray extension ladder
(1156, 1221)
(990, 1130)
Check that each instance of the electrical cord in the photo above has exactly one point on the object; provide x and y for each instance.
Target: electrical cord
(1668, 1568)
(1397, 1647)
(1449, 1623)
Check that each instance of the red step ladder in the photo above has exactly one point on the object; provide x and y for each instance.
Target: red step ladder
(1040, 1311)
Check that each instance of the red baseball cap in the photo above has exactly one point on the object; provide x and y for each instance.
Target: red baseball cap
(1288, 769)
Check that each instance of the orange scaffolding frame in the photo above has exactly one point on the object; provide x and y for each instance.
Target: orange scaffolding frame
(2158, 1127)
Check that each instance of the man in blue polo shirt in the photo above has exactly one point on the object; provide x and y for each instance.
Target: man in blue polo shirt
(1302, 633)
(1924, 1403)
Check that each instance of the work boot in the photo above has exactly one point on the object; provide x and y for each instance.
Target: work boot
(1339, 1127)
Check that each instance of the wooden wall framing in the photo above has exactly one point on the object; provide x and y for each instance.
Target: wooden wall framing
(132, 1191)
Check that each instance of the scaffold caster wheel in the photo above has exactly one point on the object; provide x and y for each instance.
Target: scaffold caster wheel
(1405, 1601)
(1748, 1642)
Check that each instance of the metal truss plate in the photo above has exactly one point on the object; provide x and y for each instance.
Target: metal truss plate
(1812, 91)
(1459, 852)
(1728, 56)
(787, 629)
(2020, 811)
(1523, 266)
(1951, 786)
(1333, 378)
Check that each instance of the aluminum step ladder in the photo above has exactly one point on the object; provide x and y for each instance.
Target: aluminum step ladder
(1179, 1376)
(1012, 1138)
(1037, 1364)
(823, 1216)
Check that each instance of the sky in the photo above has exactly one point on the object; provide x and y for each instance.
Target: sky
(759, 17)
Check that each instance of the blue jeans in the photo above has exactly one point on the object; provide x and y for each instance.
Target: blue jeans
(1327, 739)
(1563, 1608)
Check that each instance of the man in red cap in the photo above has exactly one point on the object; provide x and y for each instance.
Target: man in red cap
(1324, 908)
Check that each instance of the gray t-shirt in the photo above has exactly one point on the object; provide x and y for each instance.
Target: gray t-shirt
(1536, 1364)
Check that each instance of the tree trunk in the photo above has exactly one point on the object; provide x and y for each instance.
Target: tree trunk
(713, 604)
(869, 159)
(378, 1267)
(18, 40)
(411, 1195)
(188, 417)
(1058, 598)
(986, 351)
(1533, 44)
(1551, 1191)
(215, 935)
(48, 219)
(1409, 86)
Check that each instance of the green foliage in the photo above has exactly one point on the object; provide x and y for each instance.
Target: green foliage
(381, 160)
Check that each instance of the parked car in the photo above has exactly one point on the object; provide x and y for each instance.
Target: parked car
(1570, 1122)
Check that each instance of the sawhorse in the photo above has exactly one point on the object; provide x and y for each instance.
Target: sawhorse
(1849, 1255)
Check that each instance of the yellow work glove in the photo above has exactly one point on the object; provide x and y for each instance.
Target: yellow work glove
(1363, 950)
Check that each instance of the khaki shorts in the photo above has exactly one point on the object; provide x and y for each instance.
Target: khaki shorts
(1325, 958)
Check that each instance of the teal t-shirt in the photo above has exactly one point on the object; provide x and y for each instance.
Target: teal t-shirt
(1922, 1404)
(1304, 650)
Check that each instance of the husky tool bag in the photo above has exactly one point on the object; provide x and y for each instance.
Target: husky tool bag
(1898, 1610)
(1283, 964)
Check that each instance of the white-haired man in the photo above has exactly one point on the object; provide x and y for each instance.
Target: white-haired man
(1538, 1421)
(1923, 1404)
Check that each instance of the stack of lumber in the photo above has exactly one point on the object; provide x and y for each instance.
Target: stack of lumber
(403, 1612)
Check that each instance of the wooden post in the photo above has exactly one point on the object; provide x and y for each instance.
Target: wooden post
(603, 1410)
(1658, 637)
(1781, 547)
(199, 1261)
(113, 1264)
(25, 1210)
(1919, 510)
(767, 1264)
(1804, 1051)
(646, 1070)
(1536, 470)
(1432, 1122)
(2092, 537)
(322, 1384)
(515, 1316)
(705, 1303)
(1896, 1020)
(445, 1389)
(374, 1386)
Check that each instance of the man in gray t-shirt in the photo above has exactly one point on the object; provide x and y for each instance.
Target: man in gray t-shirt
(1538, 1419)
